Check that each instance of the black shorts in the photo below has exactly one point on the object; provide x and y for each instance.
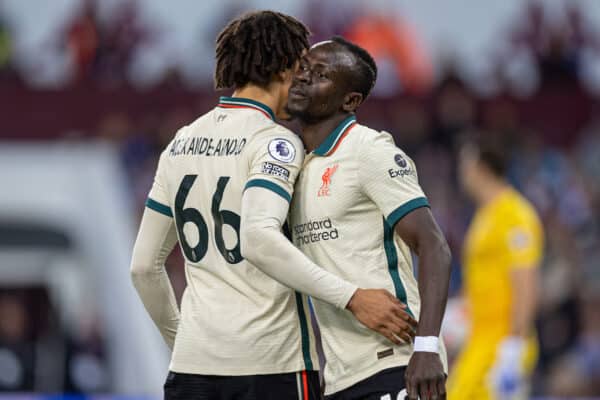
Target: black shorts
(293, 386)
(384, 385)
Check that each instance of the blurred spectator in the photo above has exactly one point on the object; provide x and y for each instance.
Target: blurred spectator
(120, 38)
(102, 50)
(577, 373)
(83, 40)
(16, 347)
(397, 50)
(454, 110)
(558, 47)
(86, 367)
(329, 18)
(6, 50)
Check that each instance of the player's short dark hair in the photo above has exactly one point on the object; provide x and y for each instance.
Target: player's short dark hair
(367, 68)
(257, 45)
(493, 154)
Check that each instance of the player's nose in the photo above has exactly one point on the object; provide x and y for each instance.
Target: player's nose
(302, 76)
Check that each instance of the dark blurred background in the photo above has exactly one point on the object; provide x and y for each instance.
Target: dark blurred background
(88, 86)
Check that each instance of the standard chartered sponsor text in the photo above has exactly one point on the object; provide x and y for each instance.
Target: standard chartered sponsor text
(314, 231)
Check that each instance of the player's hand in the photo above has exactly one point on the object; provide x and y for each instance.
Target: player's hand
(382, 312)
(425, 378)
(506, 376)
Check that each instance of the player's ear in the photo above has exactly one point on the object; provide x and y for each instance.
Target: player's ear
(351, 101)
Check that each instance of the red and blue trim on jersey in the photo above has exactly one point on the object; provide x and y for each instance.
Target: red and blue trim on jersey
(240, 102)
(335, 138)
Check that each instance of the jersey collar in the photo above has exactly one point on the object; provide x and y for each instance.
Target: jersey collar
(334, 139)
(240, 102)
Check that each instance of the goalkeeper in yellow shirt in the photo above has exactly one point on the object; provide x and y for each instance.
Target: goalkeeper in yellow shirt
(502, 253)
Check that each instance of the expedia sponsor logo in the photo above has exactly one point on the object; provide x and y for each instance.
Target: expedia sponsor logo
(400, 161)
(394, 173)
(314, 231)
(275, 170)
(404, 170)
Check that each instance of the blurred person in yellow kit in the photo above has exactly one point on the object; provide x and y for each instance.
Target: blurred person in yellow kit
(502, 253)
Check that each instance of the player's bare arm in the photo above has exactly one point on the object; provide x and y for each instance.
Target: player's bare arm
(425, 377)
(525, 294)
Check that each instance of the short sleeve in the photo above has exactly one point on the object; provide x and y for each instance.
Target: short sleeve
(524, 244)
(389, 177)
(275, 157)
(158, 198)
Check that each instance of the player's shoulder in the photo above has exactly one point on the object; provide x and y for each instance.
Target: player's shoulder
(517, 202)
(197, 125)
(275, 130)
(364, 134)
(275, 133)
(281, 143)
(517, 209)
(370, 142)
(366, 139)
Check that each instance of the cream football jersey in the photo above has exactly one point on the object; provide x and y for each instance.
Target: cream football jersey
(351, 192)
(235, 320)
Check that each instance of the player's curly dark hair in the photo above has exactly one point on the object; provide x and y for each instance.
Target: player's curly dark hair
(254, 47)
(367, 68)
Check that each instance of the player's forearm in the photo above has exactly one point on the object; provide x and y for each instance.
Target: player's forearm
(270, 251)
(434, 279)
(155, 241)
(525, 293)
(157, 295)
(265, 246)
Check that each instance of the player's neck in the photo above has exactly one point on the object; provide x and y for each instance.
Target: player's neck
(315, 133)
(269, 98)
(489, 190)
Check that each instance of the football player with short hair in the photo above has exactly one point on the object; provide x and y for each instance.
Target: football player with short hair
(358, 211)
(503, 250)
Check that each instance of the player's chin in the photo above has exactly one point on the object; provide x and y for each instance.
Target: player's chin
(292, 111)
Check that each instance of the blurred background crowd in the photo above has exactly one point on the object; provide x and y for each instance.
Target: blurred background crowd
(115, 72)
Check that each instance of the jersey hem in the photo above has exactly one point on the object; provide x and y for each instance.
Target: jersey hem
(254, 370)
(359, 376)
